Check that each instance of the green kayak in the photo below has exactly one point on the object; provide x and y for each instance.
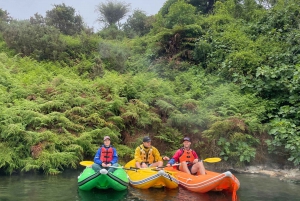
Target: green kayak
(103, 179)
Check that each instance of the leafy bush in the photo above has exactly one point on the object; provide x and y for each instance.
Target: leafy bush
(114, 56)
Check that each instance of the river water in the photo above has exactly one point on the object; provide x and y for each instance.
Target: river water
(63, 187)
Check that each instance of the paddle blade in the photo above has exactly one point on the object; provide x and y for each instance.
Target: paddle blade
(86, 163)
(212, 160)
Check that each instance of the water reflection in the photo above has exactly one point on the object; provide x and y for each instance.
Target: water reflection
(264, 188)
(176, 194)
(186, 195)
(63, 187)
(153, 194)
(102, 195)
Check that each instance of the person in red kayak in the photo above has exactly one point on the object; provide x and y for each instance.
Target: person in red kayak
(188, 159)
(148, 156)
(105, 156)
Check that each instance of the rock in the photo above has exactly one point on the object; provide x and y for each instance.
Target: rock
(290, 175)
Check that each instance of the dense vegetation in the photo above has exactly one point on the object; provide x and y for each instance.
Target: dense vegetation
(225, 73)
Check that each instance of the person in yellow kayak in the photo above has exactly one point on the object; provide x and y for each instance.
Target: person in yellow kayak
(106, 156)
(148, 156)
(188, 159)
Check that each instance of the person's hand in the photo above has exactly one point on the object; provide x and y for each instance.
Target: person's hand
(166, 158)
(144, 165)
(103, 165)
(196, 161)
(109, 164)
(168, 165)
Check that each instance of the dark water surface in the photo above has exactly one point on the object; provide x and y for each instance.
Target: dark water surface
(63, 187)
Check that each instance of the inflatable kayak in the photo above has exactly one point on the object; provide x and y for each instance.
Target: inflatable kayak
(145, 178)
(104, 179)
(212, 181)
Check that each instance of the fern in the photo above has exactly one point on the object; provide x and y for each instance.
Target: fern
(9, 160)
(165, 107)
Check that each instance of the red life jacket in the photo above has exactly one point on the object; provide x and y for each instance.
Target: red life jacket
(187, 156)
(106, 154)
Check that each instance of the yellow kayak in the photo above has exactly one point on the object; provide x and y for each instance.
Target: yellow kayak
(145, 178)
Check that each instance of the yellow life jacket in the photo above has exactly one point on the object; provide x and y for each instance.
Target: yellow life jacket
(146, 155)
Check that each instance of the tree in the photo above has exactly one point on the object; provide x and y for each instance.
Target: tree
(64, 18)
(180, 13)
(4, 19)
(112, 12)
(137, 24)
(165, 8)
(4, 16)
(203, 6)
(37, 40)
(37, 19)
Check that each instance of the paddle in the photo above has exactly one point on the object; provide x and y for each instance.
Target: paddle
(212, 160)
(86, 163)
(89, 163)
(208, 160)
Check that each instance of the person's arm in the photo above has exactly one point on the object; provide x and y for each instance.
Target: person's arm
(195, 156)
(137, 155)
(97, 157)
(175, 158)
(156, 154)
(171, 162)
(115, 157)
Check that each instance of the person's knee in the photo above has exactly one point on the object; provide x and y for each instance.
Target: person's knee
(96, 167)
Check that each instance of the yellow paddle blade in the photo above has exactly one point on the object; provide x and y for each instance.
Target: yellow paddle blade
(212, 160)
(86, 163)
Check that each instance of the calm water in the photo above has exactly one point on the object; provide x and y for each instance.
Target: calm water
(64, 188)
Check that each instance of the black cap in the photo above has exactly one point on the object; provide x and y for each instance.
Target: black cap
(146, 139)
(186, 139)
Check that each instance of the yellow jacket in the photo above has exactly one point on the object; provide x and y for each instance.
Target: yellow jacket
(140, 154)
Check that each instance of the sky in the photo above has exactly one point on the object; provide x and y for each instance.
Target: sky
(24, 9)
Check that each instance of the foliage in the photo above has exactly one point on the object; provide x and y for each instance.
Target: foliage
(180, 14)
(4, 16)
(4, 19)
(226, 78)
(234, 141)
(204, 7)
(260, 54)
(114, 56)
(39, 41)
(286, 135)
(165, 8)
(201, 51)
(137, 24)
(64, 19)
(111, 12)
(170, 137)
(112, 33)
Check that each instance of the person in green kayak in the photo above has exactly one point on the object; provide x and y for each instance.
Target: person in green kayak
(106, 156)
(188, 159)
(146, 155)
